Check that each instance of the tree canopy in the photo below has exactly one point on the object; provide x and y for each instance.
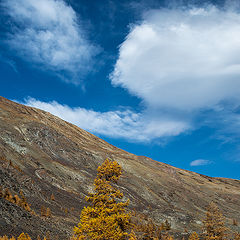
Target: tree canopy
(106, 218)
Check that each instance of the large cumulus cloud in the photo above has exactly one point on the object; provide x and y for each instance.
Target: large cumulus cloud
(182, 59)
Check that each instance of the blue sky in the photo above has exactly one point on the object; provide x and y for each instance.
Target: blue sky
(155, 78)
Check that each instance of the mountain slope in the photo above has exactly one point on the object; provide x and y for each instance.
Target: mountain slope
(42, 155)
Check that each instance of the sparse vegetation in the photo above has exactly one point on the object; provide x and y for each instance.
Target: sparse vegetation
(107, 217)
(20, 201)
(46, 212)
(22, 236)
(193, 236)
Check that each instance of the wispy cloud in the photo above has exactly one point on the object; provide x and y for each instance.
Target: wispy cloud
(48, 33)
(9, 62)
(226, 122)
(200, 162)
(117, 124)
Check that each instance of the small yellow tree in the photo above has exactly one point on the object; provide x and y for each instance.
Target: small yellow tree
(48, 212)
(214, 226)
(23, 236)
(52, 197)
(193, 236)
(105, 218)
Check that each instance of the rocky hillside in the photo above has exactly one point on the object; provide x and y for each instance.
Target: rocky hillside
(54, 163)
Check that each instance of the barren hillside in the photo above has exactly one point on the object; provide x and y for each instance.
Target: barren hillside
(42, 155)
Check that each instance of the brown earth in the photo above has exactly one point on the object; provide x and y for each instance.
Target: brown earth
(50, 156)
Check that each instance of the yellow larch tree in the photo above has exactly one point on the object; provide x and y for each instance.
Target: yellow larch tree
(106, 218)
(193, 236)
(23, 236)
(214, 223)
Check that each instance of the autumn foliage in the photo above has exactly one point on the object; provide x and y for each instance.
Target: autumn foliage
(193, 236)
(20, 201)
(22, 236)
(214, 223)
(106, 217)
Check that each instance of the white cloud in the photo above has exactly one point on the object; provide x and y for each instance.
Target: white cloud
(117, 124)
(226, 122)
(47, 33)
(182, 59)
(200, 162)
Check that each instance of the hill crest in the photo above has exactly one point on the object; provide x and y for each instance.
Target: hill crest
(56, 157)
